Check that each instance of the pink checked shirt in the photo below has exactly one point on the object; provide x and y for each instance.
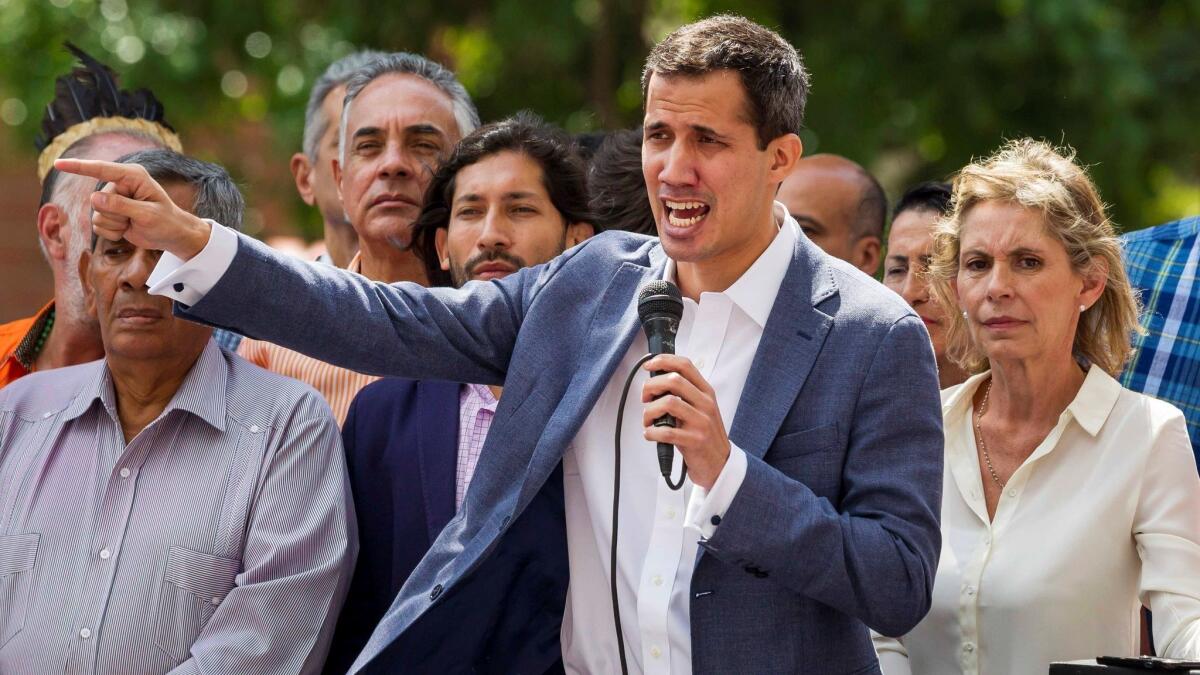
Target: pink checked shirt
(476, 408)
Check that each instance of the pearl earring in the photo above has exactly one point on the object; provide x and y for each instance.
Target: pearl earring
(1082, 309)
(964, 313)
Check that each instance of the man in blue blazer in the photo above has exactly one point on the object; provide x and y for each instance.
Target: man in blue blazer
(411, 445)
(805, 394)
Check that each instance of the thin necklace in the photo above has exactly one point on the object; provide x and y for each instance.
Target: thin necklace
(979, 435)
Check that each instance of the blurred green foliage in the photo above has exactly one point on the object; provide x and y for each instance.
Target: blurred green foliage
(910, 88)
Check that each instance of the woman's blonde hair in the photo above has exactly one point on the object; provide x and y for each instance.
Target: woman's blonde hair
(1036, 175)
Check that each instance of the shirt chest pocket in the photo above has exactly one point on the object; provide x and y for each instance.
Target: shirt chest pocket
(192, 586)
(18, 556)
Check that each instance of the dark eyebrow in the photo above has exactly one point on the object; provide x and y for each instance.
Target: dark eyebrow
(802, 220)
(367, 131)
(424, 129)
(507, 196)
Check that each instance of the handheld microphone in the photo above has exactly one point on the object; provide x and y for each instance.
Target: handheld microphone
(660, 308)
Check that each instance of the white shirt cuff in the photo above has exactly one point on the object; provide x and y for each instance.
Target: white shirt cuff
(706, 508)
(187, 282)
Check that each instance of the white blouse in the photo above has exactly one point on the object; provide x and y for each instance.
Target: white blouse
(1104, 516)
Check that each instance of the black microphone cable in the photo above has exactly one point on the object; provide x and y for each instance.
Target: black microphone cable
(612, 560)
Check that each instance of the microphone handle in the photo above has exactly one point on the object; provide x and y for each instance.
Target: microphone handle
(663, 342)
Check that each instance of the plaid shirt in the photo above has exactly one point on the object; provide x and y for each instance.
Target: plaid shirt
(1161, 262)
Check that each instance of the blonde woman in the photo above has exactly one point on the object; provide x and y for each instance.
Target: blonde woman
(1068, 501)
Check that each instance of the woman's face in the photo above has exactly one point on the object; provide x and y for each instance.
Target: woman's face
(909, 247)
(1016, 283)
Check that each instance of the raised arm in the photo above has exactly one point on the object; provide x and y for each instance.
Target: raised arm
(234, 282)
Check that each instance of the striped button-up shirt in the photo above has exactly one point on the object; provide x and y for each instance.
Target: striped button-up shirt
(219, 540)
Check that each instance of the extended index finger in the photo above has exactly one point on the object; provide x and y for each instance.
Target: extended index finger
(111, 172)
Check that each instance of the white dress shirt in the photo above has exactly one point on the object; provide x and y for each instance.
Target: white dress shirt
(1104, 516)
(660, 528)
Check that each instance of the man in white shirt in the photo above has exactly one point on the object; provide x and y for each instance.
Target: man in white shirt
(811, 509)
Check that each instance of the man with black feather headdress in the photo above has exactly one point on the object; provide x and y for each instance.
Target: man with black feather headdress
(90, 117)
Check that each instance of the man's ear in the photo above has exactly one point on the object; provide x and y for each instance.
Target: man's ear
(302, 174)
(85, 280)
(785, 151)
(337, 179)
(577, 233)
(439, 243)
(867, 254)
(54, 230)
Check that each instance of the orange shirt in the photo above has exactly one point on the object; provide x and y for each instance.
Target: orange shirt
(339, 386)
(19, 342)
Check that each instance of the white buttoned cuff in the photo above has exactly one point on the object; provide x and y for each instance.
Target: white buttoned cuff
(706, 508)
(188, 281)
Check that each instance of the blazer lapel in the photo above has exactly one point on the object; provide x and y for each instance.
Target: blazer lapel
(609, 335)
(437, 443)
(791, 341)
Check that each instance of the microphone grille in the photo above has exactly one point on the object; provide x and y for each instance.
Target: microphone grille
(659, 298)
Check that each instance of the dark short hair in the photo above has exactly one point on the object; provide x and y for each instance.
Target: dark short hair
(217, 196)
(563, 174)
(932, 195)
(619, 199)
(870, 217)
(771, 70)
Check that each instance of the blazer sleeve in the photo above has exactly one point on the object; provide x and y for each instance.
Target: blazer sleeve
(402, 329)
(874, 556)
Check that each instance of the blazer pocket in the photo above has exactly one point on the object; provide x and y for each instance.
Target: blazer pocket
(806, 442)
(192, 587)
(18, 556)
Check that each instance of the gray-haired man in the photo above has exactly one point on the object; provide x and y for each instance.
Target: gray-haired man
(169, 508)
(402, 115)
(313, 167)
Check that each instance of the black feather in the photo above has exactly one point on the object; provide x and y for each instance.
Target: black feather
(92, 90)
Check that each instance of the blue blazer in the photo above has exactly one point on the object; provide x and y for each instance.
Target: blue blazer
(401, 439)
(835, 527)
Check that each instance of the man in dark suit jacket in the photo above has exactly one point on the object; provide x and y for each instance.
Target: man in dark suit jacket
(411, 444)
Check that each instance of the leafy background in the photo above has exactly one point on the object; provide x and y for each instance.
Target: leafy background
(910, 88)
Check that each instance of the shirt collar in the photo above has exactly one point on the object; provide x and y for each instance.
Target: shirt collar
(481, 394)
(202, 392)
(355, 264)
(1090, 407)
(26, 352)
(755, 291)
(1095, 400)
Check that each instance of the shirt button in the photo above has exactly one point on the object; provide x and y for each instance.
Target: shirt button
(970, 590)
(700, 363)
(655, 651)
(1012, 493)
(124, 473)
(178, 288)
(658, 581)
(216, 600)
(105, 554)
(715, 520)
(85, 633)
(969, 647)
(254, 428)
(47, 415)
(670, 514)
